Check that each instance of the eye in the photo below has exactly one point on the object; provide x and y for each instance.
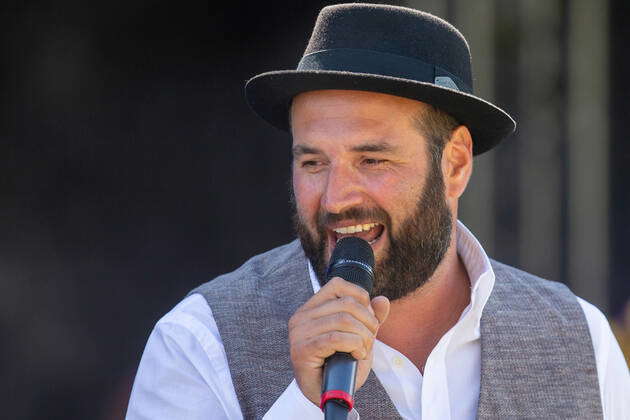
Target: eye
(310, 163)
(373, 161)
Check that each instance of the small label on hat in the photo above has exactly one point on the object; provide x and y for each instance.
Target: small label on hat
(446, 82)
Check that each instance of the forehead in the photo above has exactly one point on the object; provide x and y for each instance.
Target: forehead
(347, 117)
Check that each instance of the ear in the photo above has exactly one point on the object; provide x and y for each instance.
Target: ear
(457, 162)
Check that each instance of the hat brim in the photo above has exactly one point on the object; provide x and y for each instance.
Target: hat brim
(270, 95)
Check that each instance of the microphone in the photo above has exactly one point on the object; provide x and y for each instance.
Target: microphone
(353, 261)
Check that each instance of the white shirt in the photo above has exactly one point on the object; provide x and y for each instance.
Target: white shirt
(184, 373)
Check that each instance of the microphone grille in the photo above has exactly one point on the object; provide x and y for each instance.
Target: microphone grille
(352, 260)
(353, 248)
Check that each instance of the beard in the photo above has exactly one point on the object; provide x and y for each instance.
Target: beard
(416, 247)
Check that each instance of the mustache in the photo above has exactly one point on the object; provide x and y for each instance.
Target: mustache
(375, 214)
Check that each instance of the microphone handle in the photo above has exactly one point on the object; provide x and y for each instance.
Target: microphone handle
(340, 373)
(335, 411)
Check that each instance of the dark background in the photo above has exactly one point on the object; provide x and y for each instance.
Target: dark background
(132, 170)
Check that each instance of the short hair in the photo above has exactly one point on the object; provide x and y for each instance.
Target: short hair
(437, 126)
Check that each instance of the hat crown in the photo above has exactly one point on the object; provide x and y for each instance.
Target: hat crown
(393, 30)
(385, 49)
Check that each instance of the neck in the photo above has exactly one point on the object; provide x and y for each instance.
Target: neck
(417, 322)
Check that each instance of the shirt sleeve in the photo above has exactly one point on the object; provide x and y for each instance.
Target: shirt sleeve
(612, 370)
(292, 404)
(184, 373)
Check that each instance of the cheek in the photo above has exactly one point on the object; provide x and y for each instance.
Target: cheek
(307, 198)
(398, 195)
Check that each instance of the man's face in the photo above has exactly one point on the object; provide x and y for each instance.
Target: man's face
(361, 168)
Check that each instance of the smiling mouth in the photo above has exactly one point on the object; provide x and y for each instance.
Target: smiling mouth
(370, 232)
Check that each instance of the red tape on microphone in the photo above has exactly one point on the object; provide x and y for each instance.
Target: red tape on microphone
(337, 395)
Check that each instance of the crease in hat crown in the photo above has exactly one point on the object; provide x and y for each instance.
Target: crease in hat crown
(386, 49)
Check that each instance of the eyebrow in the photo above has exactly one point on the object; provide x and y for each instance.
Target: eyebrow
(378, 146)
(300, 150)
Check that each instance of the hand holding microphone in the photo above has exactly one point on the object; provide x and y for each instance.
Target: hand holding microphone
(340, 318)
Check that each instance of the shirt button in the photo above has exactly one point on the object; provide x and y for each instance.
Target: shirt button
(397, 361)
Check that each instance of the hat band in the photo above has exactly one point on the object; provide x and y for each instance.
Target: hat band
(384, 64)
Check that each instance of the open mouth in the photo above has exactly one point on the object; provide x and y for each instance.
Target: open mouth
(370, 232)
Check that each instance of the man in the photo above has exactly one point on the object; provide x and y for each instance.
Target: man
(384, 126)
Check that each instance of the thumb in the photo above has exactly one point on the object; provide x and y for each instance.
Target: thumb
(380, 304)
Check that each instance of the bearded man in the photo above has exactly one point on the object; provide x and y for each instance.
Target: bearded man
(385, 126)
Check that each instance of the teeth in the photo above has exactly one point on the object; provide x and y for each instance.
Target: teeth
(355, 228)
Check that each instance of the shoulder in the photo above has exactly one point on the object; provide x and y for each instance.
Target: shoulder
(598, 324)
(520, 289)
(187, 332)
(186, 357)
(509, 274)
(193, 312)
(612, 369)
(193, 316)
(255, 270)
(557, 295)
(604, 342)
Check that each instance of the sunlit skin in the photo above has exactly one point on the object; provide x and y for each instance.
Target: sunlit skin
(361, 149)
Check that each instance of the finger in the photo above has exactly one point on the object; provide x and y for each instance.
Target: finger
(339, 321)
(336, 288)
(363, 369)
(325, 345)
(346, 304)
(381, 305)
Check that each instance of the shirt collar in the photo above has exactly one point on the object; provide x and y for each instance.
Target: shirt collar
(480, 274)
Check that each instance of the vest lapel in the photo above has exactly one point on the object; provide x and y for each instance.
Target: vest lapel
(373, 402)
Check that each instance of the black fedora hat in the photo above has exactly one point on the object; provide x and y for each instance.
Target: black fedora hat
(386, 49)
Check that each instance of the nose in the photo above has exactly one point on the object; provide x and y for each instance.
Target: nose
(343, 190)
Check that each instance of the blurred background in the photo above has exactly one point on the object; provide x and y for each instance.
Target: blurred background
(132, 170)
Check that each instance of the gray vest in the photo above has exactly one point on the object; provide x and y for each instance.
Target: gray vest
(537, 358)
